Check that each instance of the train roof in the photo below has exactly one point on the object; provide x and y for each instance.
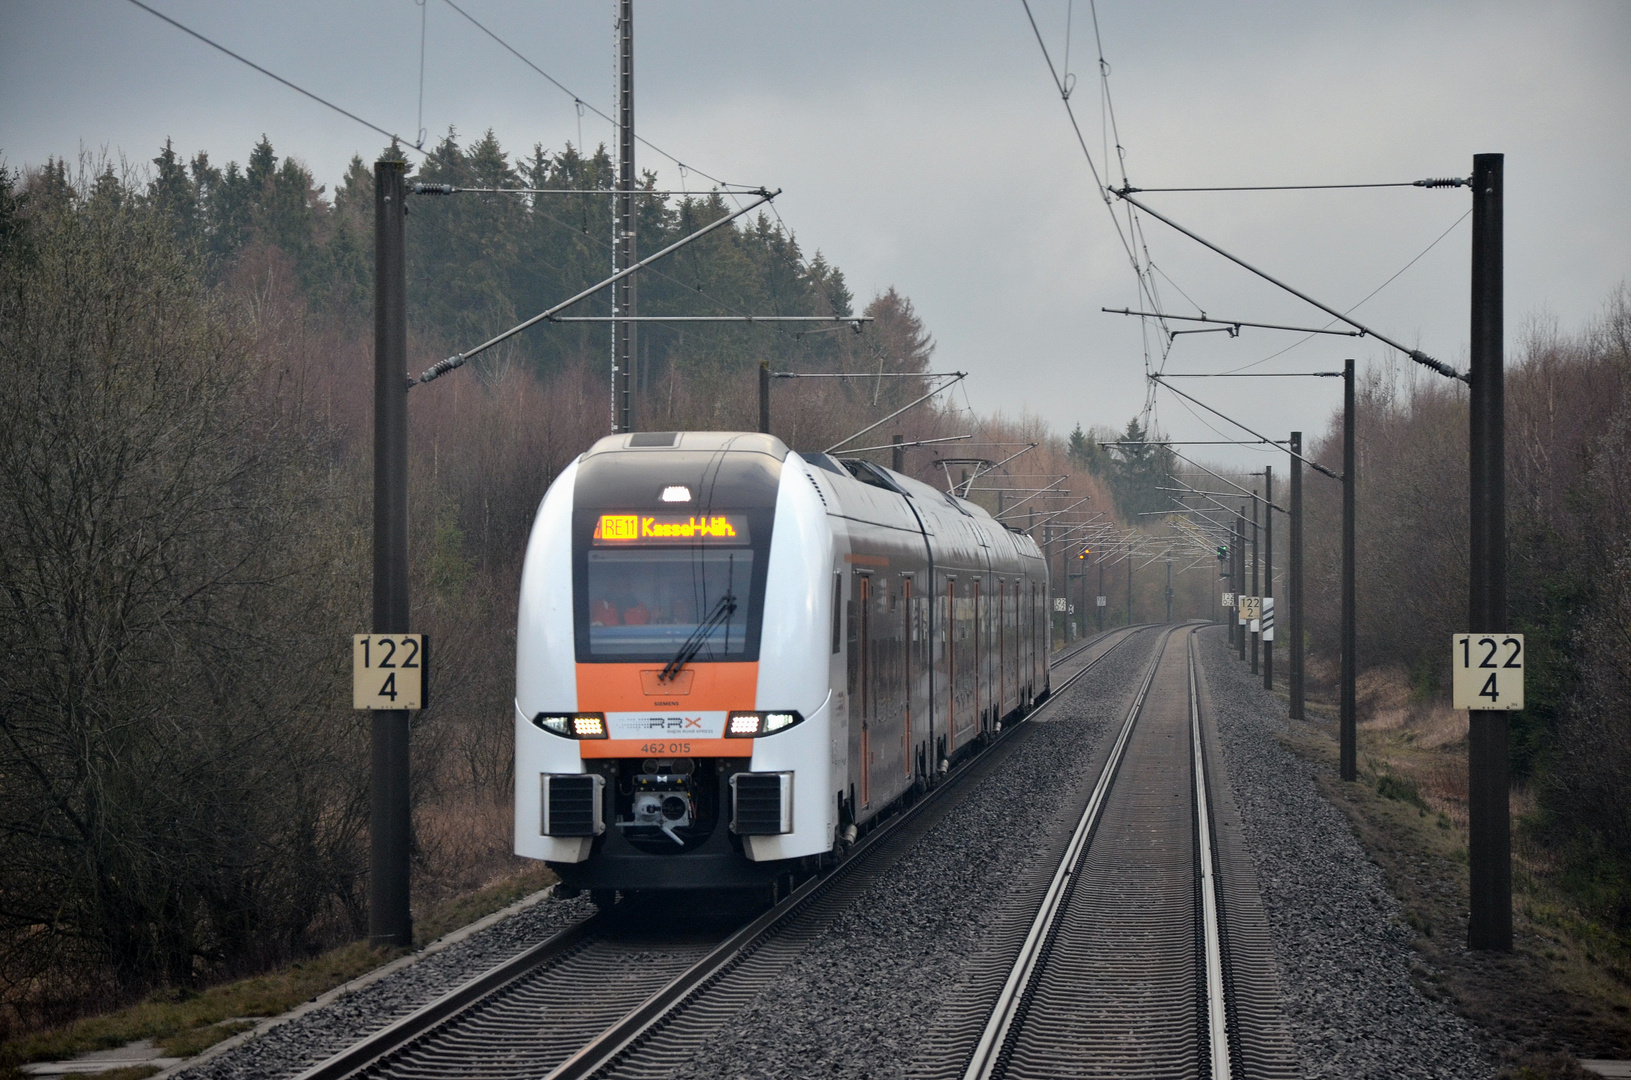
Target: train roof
(754, 442)
(751, 442)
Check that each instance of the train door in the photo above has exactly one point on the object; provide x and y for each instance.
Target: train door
(939, 645)
(965, 678)
(860, 682)
(977, 647)
(907, 638)
(1002, 647)
(1036, 644)
(1015, 630)
(888, 683)
(952, 672)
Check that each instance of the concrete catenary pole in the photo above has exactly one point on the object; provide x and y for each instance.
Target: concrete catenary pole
(1257, 584)
(1240, 588)
(1101, 592)
(1268, 572)
(625, 296)
(1489, 825)
(1129, 587)
(764, 404)
(1294, 629)
(389, 919)
(1083, 609)
(1347, 722)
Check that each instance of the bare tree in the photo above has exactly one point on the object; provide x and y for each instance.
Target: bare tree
(176, 781)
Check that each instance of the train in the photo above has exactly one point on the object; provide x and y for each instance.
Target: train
(732, 659)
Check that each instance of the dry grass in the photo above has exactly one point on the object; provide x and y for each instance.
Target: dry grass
(467, 871)
(1563, 990)
(190, 1021)
(464, 844)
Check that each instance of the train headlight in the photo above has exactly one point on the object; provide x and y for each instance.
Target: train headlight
(748, 725)
(573, 725)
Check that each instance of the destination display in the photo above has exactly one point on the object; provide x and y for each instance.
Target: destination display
(625, 530)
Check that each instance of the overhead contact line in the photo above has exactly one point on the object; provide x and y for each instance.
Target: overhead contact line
(1415, 354)
(396, 139)
(580, 102)
(1431, 182)
(442, 367)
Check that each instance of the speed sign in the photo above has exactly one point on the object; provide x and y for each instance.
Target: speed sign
(1487, 671)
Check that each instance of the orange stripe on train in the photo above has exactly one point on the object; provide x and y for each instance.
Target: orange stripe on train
(635, 687)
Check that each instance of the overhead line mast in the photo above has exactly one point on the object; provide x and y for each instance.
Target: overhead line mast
(625, 294)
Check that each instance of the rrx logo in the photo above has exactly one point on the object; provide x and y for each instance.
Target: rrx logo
(668, 723)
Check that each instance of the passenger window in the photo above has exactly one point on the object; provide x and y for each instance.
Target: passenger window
(837, 608)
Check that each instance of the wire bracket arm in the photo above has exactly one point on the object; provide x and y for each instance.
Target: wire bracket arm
(1415, 354)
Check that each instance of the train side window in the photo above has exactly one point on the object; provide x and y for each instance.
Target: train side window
(837, 609)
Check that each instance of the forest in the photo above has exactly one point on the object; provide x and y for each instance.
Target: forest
(1568, 498)
(185, 412)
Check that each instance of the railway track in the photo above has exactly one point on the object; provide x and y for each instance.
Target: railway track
(1147, 954)
(622, 1000)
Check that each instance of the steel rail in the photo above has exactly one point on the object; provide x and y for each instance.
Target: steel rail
(360, 1055)
(628, 1033)
(1217, 1009)
(1086, 644)
(988, 1050)
(375, 1048)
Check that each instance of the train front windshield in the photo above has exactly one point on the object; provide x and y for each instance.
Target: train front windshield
(659, 586)
(650, 603)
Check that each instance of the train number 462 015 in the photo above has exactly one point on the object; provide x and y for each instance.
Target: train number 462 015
(1487, 671)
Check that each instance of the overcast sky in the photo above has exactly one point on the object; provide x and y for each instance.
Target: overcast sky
(922, 145)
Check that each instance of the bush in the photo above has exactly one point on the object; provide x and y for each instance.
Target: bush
(181, 797)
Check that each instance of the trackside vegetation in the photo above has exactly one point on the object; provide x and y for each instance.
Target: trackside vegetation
(185, 402)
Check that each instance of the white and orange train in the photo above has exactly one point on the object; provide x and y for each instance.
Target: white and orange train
(730, 657)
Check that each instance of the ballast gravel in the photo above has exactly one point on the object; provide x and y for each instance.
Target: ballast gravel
(862, 999)
(302, 1042)
(1342, 947)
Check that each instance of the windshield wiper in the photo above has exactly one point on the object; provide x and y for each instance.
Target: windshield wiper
(723, 610)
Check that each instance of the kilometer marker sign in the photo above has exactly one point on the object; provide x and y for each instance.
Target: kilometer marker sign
(388, 671)
(1487, 671)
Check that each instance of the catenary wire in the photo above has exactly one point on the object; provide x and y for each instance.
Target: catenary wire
(419, 125)
(578, 101)
(1303, 341)
(327, 104)
(1132, 236)
(1093, 168)
(721, 302)
(1451, 182)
